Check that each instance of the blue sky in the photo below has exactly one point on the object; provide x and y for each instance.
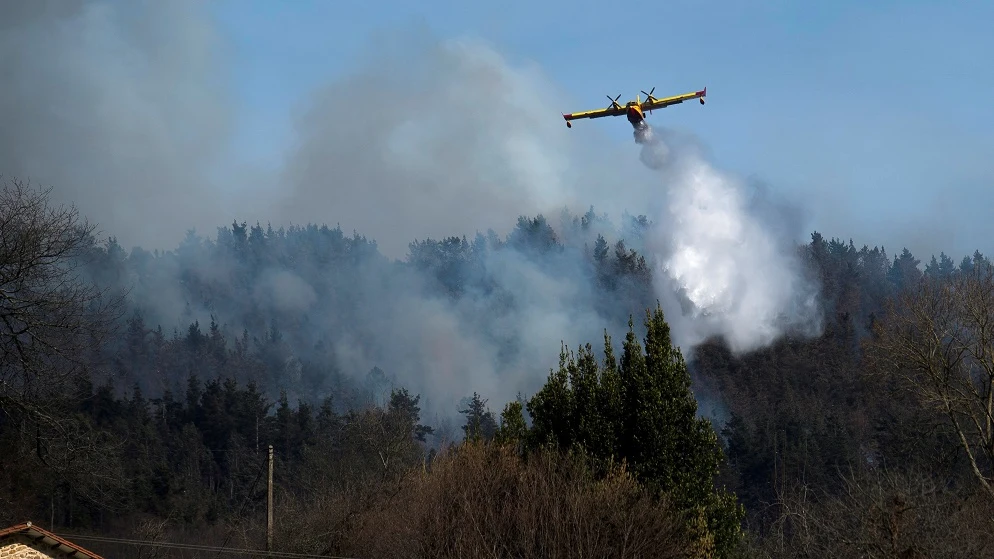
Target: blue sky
(878, 116)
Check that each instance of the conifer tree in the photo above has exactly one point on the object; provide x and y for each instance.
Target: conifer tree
(513, 429)
(642, 411)
(480, 421)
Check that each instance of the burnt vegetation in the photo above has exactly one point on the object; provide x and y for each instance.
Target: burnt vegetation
(873, 439)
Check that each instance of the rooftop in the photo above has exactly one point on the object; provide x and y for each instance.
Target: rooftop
(40, 536)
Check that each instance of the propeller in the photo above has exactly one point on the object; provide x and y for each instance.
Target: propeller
(648, 96)
(614, 102)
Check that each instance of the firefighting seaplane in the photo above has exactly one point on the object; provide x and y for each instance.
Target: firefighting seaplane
(636, 110)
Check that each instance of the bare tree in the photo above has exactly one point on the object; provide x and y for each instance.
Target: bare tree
(481, 499)
(881, 514)
(937, 339)
(52, 324)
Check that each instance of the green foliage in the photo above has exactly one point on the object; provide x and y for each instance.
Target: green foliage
(644, 413)
(480, 421)
(189, 442)
(513, 428)
(201, 457)
(406, 410)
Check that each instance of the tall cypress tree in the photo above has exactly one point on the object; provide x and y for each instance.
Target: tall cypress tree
(641, 410)
(679, 452)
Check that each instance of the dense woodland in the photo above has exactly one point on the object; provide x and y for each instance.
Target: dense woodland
(125, 415)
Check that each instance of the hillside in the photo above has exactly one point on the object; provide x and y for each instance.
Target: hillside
(391, 386)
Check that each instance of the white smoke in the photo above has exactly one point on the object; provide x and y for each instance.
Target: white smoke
(732, 260)
(137, 137)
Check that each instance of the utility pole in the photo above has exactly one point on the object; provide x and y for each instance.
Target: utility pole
(269, 522)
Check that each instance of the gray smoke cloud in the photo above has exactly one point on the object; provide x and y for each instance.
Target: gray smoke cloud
(432, 138)
(120, 106)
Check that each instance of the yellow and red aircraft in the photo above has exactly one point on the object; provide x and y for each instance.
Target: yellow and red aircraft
(637, 109)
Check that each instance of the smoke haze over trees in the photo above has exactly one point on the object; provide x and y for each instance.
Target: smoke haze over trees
(803, 416)
(406, 279)
(426, 167)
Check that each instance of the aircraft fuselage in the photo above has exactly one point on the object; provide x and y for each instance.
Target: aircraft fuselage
(635, 117)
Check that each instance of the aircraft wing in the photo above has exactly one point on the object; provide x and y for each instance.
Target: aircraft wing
(667, 101)
(597, 113)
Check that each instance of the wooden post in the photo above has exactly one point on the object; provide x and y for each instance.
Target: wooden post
(269, 522)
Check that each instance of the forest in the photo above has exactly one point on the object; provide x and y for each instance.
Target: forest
(412, 412)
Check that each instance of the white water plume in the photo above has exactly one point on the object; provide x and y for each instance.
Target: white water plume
(728, 257)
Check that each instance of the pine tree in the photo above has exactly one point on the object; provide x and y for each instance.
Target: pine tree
(641, 411)
(513, 428)
(405, 412)
(551, 408)
(480, 421)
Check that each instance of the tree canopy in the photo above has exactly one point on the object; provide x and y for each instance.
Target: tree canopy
(639, 411)
(141, 389)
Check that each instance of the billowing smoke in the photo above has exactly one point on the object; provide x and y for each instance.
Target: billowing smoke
(734, 258)
(120, 107)
(430, 138)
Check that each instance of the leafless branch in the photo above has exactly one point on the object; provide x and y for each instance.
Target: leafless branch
(52, 324)
(939, 340)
